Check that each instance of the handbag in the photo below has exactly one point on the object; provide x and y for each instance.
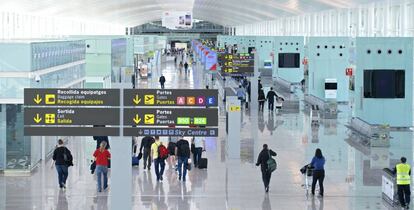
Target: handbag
(67, 158)
(92, 167)
(139, 155)
(189, 164)
(271, 163)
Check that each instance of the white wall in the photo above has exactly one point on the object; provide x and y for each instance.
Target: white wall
(387, 18)
(25, 26)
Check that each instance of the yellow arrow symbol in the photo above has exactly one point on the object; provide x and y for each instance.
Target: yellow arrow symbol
(37, 119)
(137, 119)
(37, 100)
(136, 100)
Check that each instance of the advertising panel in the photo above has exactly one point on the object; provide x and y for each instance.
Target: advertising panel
(177, 19)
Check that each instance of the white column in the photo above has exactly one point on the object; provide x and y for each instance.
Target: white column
(121, 168)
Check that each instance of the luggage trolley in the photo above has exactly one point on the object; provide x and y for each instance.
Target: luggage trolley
(307, 171)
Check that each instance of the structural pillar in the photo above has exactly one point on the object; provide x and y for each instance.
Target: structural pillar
(233, 109)
(254, 108)
(121, 167)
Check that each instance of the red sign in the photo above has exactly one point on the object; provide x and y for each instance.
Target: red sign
(348, 71)
(213, 68)
(305, 61)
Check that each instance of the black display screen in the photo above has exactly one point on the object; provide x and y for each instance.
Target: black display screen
(384, 83)
(289, 60)
(331, 86)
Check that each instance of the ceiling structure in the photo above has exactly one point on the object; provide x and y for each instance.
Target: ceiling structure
(137, 12)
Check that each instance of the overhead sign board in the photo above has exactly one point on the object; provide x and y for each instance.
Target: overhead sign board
(171, 97)
(167, 116)
(96, 112)
(71, 112)
(237, 64)
(71, 131)
(71, 116)
(164, 131)
(71, 97)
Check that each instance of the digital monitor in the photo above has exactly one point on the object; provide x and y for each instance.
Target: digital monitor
(289, 60)
(331, 86)
(267, 64)
(384, 83)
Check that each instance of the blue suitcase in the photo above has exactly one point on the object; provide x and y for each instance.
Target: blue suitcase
(135, 161)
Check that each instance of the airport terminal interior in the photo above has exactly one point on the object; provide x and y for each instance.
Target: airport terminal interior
(206, 104)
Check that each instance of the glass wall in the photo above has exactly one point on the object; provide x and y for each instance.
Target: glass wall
(13, 87)
(118, 58)
(46, 55)
(17, 146)
(2, 137)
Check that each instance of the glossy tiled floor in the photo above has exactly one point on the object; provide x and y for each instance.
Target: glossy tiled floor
(353, 171)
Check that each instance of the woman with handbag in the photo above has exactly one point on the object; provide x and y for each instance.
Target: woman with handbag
(62, 159)
(267, 165)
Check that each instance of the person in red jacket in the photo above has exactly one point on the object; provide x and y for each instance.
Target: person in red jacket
(102, 156)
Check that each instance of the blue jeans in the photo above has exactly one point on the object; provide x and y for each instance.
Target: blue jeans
(197, 155)
(102, 171)
(159, 168)
(62, 171)
(182, 161)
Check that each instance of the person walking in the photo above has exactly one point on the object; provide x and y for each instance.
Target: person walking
(162, 81)
(182, 152)
(158, 154)
(102, 157)
(172, 143)
(175, 61)
(146, 143)
(199, 145)
(262, 160)
(318, 163)
(403, 171)
(271, 95)
(241, 94)
(62, 159)
(249, 91)
(261, 99)
(180, 66)
(185, 67)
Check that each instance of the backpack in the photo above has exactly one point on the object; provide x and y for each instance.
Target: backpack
(184, 149)
(271, 163)
(162, 152)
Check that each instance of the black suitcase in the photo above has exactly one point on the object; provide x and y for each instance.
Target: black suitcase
(202, 163)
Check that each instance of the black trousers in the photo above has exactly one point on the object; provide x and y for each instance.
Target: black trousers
(261, 105)
(404, 194)
(318, 176)
(266, 175)
(271, 105)
(147, 158)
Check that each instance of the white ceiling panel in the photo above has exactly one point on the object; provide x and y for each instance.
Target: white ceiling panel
(136, 12)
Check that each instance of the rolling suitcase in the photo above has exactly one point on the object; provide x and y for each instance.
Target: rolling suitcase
(135, 161)
(202, 163)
